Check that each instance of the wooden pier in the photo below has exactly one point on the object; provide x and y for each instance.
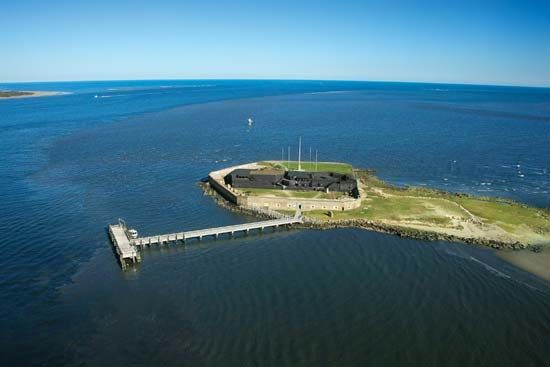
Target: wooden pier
(128, 248)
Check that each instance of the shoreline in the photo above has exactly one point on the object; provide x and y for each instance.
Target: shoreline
(31, 94)
(534, 263)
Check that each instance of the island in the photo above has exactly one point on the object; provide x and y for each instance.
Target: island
(332, 195)
(26, 94)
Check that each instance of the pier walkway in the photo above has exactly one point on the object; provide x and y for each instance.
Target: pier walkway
(216, 232)
(128, 248)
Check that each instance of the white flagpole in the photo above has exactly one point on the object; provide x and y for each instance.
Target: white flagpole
(299, 153)
(315, 160)
(288, 165)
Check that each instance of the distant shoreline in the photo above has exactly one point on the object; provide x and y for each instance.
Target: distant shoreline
(12, 94)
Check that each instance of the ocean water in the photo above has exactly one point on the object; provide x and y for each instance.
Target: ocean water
(73, 163)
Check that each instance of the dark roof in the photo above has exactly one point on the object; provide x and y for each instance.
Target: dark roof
(267, 172)
(240, 172)
(299, 174)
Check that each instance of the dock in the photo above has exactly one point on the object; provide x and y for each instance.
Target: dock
(125, 250)
(128, 248)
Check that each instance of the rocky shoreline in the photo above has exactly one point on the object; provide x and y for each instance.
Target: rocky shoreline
(310, 223)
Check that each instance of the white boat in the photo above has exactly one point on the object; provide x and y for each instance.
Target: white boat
(133, 233)
(250, 122)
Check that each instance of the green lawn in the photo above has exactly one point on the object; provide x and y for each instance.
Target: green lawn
(507, 213)
(310, 166)
(433, 211)
(292, 193)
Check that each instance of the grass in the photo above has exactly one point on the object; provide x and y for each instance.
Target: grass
(292, 193)
(410, 208)
(508, 214)
(375, 207)
(310, 166)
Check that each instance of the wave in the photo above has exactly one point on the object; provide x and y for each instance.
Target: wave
(471, 258)
(160, 87)
(331, 92)
(111, 95)
(490, 268)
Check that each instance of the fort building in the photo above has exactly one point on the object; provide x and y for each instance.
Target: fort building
(286, 190)
(292, 180)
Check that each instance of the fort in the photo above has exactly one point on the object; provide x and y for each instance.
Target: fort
(272, 185)
(292, 180)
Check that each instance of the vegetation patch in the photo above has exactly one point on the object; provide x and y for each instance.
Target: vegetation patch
(13, 93)
(292, 193)
(312, 166)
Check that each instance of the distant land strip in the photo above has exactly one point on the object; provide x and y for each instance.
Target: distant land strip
(26, 94)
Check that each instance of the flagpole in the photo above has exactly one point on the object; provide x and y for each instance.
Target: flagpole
(288, 164)
(315, 160)
(299, 153)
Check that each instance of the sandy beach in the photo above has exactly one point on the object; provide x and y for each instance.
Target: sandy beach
(31, 94)
(536, 263)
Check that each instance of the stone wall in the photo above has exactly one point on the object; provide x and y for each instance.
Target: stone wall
(282, 203)
(223, 190)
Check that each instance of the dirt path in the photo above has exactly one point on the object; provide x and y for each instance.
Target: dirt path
(473, 217)
(471, 227)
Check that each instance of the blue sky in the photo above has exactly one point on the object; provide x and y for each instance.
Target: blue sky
(482, 42)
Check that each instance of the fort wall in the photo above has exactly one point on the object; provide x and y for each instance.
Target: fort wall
(305, 204)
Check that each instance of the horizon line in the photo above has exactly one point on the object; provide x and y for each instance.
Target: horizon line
(282, 79)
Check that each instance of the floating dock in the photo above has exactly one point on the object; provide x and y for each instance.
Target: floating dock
(128, 248)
